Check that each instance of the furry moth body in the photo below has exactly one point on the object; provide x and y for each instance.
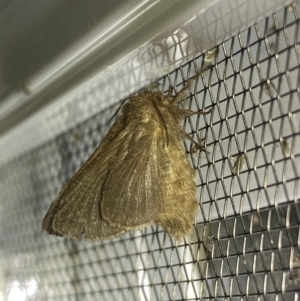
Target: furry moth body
(138, 175)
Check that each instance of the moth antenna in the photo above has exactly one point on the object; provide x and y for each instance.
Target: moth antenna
(118, 110)
(162, 120)
(122, 103)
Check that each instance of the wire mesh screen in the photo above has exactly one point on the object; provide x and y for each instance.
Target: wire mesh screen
(246, 239)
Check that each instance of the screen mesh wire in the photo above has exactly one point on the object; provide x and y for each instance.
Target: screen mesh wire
(245, 243)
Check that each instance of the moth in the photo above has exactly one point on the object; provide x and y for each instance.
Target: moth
(139, 175)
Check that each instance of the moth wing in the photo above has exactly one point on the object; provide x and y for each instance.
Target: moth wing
(80, 216)
(131, 193)
(76, 210)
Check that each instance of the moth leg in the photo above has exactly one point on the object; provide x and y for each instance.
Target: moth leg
(185, 135)
(190, 113)
(179, 95)
(198, 146)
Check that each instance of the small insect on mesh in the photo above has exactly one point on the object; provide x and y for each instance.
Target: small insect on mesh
(245, 242)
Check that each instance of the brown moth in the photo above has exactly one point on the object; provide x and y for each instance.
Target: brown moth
(138, 175)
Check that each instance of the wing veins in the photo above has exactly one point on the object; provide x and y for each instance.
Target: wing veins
(138, 178)
(134, 164)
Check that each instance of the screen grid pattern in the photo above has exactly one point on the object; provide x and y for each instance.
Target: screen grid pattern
(245, 244)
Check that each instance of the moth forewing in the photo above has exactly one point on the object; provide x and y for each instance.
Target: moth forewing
(130, 194)
(76, 210)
